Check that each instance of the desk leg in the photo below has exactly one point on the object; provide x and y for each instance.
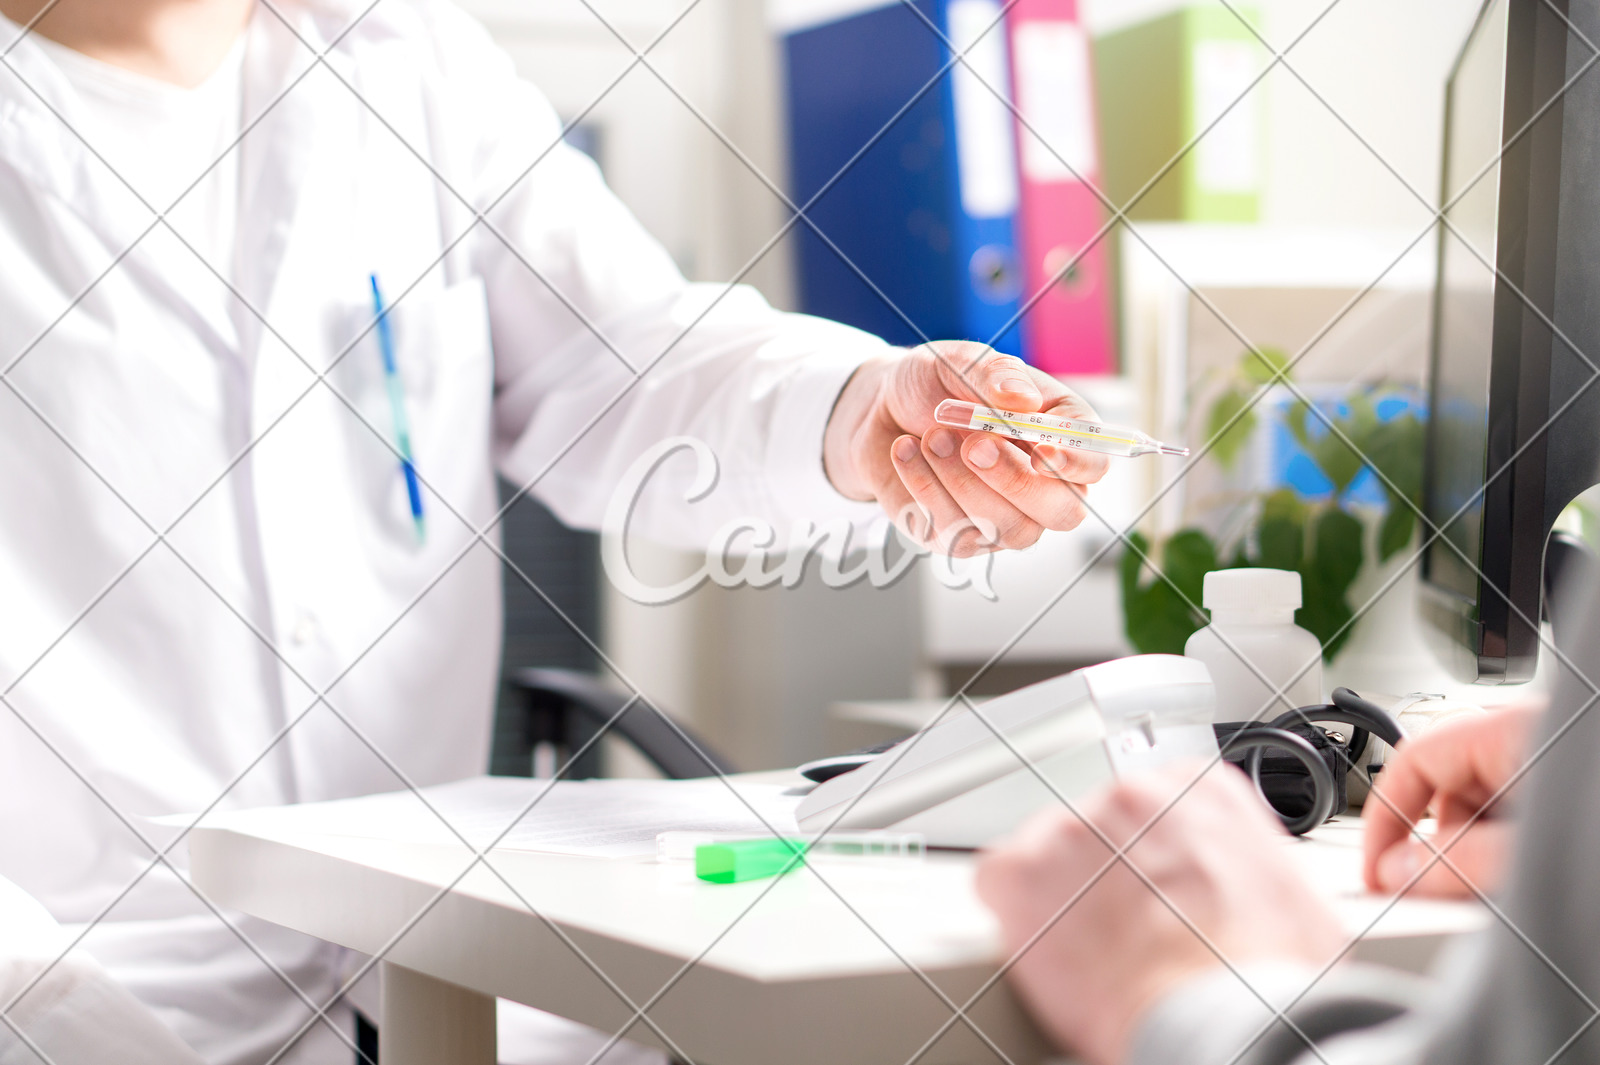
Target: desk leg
(430, 1022)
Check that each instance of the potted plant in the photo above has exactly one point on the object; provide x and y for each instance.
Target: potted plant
(1357, 475)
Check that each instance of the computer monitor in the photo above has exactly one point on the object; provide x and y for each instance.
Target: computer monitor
(1514, 406)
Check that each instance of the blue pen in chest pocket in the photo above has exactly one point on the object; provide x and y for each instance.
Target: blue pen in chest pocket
(397, 409)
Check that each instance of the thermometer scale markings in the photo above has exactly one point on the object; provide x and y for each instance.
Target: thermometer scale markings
(983, 421)
(1049, 429)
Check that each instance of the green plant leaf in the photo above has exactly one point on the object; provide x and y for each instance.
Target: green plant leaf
(1284, 504)
(1361, 419)
(1130, 563)
(1280, 543)
(1326, 577)
(1157, 618)
(1264, 365)
(1395, 533)
(1337, 551)
(1336, 459)
(1323, 615)
(1159, 622)
(1230, 440)
(1395, 448)
(1296, 418)
(1186, 560)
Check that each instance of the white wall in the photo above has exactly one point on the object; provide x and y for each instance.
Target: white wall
(690, 189)
(1381, 64)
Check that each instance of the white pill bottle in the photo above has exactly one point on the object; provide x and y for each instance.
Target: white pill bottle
(1261, 662)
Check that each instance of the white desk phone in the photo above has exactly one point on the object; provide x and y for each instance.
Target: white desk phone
(960, 785)
(977, 774)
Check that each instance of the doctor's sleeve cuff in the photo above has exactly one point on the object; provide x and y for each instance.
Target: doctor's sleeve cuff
(1224, 1016)
(794, 468)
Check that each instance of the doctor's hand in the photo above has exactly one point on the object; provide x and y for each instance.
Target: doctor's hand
(1096, 954)
(1456, 771)
(958, 492)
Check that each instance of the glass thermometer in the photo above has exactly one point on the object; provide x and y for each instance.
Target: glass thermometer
(1048, 429)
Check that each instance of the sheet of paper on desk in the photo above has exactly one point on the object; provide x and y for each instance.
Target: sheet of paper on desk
(597, 818)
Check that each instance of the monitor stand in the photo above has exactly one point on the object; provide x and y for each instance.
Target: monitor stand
(1569, 578)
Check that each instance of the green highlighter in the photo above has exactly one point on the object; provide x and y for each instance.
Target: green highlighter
(735, 861)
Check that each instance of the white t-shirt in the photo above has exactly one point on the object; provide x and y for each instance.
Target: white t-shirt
(161, 138)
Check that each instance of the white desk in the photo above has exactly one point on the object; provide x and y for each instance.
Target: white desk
(776, 972)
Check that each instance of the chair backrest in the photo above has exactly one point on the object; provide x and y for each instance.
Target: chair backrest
(566, 709)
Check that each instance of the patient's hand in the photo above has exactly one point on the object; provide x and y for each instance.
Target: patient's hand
(958, 492)
(1218, 857)
(1454, 771)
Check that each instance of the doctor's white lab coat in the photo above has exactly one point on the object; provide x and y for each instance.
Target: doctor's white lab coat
(209, 585)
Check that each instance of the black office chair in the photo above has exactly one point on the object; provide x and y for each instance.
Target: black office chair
(564, 709)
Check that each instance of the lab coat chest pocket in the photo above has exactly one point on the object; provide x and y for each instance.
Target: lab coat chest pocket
(444, 368)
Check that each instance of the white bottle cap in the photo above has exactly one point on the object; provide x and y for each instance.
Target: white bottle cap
(1252, 589)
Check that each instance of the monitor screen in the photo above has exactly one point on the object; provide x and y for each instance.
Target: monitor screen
(1459, 412)
(1512, 416)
